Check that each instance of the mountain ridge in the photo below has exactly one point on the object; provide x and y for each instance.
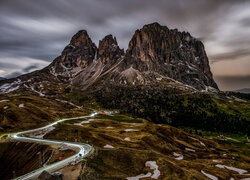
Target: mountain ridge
(155, 54)
(153, 51)
(243, 90)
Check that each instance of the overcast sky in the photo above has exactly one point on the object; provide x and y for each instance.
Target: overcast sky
(34, 32)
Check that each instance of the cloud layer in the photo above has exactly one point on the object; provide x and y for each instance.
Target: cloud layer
(33, 33)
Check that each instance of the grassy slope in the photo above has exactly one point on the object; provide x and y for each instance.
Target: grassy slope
(234, 106)
(151, 143)
(37, 111)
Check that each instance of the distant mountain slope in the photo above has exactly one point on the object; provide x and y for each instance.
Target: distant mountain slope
(244, 90)
(1, 78)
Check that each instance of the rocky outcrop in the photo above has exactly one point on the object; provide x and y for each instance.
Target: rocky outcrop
(170, 53)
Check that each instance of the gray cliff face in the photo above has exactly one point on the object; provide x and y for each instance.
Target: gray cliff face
(154, 53)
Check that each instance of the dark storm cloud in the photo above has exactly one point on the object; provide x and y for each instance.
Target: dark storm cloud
(235, 55)
(27, 69)
(37, 31)
(245, 22)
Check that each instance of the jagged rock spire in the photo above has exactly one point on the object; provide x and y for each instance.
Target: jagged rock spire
(108, 50)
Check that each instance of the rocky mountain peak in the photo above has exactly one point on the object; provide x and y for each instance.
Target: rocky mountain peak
(171, 53)
(108, 50)
(154, 53)
(81, 38)
(77, 55)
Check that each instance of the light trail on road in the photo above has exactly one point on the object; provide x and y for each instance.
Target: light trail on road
(84, 149)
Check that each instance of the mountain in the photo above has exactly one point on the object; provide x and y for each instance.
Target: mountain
(1, 78)
(163, 76)
(244, 90)
(155, 54)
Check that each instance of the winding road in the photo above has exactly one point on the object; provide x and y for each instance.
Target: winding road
(84, 149)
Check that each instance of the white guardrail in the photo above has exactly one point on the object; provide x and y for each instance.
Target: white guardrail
(84, 149)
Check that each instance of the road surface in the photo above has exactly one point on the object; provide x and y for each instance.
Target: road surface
(84, 149)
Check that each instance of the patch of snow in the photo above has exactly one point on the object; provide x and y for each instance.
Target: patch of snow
(209, 89)
(196, 58)
(21, 105)
(67, 102)
(220, 166)
(109, 127)
(209, 175)
(131, 130)
(140, 176)
(197, 140)
(71, 46)
(127, 139)
(108, 146)
(32, 89)
(240, 171)
(214, 160)
(193, 138)
(4, 100)
(5, 107)
(52, 71)
(202, 143)
(189, 149)
(84, 122)
(191, 67)
(9, 87)
(182, 84)
(178, 156)
(159, 79)
(152, 165)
